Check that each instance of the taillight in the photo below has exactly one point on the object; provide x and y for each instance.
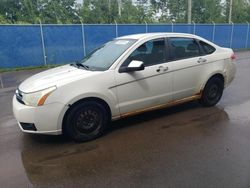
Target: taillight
(233, 56)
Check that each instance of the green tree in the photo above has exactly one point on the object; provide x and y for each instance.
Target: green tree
(170, 11)
(58, 11)
(3, 20)
(10, 10)
(132, 13)
(106, 11)
(240, 11)
(207, 11)
(29, 11)
(98, 11)
(176, 11)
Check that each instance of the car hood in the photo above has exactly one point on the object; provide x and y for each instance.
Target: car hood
(54, 77)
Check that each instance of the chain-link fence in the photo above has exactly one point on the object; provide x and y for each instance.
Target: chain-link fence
(36, 45)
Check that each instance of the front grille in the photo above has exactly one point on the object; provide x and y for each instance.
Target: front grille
(28, 126)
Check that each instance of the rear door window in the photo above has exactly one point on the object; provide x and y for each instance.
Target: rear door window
(182, 48)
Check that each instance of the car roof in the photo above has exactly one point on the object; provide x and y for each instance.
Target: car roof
(148, 35)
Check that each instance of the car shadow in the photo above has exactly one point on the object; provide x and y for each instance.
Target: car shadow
(56, 159)
(124, 123)
(151, 115)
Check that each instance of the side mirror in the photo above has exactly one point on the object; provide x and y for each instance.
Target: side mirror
(133, 66)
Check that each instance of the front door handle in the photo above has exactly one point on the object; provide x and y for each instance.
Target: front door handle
(161, 68)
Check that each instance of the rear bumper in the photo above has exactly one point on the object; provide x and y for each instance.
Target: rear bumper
(230, 73)
(45, 118)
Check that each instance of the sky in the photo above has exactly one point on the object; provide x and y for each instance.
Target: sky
(79, 1)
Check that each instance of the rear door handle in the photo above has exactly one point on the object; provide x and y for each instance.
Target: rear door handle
(165, 69)
(201, 60)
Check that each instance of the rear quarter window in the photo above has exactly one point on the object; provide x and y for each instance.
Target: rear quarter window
(207, 48)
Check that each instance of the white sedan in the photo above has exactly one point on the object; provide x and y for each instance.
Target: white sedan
(126, 76)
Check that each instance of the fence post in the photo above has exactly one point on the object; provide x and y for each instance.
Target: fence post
(146, 25)
(194, 27)
(172, 26)
(116, 29)
(247, 34)
(213, 31)
(43, 46)
(1, 81)
(83, 40)
(232, 32)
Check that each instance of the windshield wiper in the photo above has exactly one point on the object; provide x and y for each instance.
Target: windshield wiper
(80, 65)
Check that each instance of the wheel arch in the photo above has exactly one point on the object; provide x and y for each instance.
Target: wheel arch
(96, 99)
(218, 75)
(205, 98)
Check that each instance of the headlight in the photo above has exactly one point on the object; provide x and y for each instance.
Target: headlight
(37, 98)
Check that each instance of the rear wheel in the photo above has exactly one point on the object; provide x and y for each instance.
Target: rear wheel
(212, 92)
(86, 121)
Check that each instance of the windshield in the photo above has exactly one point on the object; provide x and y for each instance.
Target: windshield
(103, 57)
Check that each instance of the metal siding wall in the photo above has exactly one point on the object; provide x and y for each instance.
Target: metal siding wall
(20, 46)
(96, 35)
(223, 35)
(63, 43)
(184, 28)
(205, 31)
(248, 41)
(159, 28)
(126, 29)
(239, 36)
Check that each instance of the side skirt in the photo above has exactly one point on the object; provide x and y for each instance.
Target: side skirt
(169, 104)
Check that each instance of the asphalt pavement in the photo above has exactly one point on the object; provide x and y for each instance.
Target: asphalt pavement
(182, 146)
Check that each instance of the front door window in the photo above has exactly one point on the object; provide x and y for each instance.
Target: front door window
(150, 53)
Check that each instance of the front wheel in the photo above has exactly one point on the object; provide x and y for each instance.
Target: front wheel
(86, 121)
(212, 92)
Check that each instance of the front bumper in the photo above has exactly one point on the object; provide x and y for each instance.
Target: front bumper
(47, 118)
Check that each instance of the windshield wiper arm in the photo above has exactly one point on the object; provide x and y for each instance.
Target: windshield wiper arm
(80, 65)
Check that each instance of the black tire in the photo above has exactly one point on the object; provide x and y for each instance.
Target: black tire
(212, 92)
(86, 121)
